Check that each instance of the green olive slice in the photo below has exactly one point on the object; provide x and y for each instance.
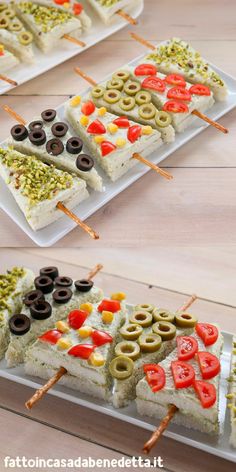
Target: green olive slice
(127, 103)
(4, 23)
(9, 13)
(121, 367)
(122, 75)
(165, 329)
(116, 84)
(142, 318)
(147, 111)
(97, 91)
(111, 96)
(15, 25)
(145, 306)
(150, 342)
(25, 38)
(131, 331)
(160, 314)
(128, 348)
(185, 320)
(162, 119)
(143, 97)
(131, 88)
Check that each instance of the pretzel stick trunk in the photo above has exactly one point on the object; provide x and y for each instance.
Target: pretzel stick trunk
(14, 115)
(8, 80)
(94, 271)
(44, 389)
(127, 17)
(172, 409)
(142, 41)
(74, 40)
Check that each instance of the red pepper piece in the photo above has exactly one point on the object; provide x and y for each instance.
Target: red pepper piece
(145, 69)
(77, 8)
(155, 376)
(51, 336)
(209, 365)
(107, 147)
(134, 133)
(173, 106)
(206, 393)
(154, 83)
(76, 318)
(207, 332)
(179, 93)
(183, 374)
(96, 127)
(101, 337)
(187, 347)
(199, 89)
(88, 108)
(122, 122)
(109, 305)
(83, 351)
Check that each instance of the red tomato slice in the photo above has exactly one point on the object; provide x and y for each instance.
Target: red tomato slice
(88, 108)
(206, 393)
(175, 107)
(109, 305)
(107, 147)
(209, 365)
(122, 122)
(199, 89)
(207, 332)
(183, 374)
(187, 347)
(179, 93)
(155, 376)
(76, 318)
(175, 79)
(83, 351)
(96, 127)
(154, 83)
(134, 133)
(101, 337)
(51, 336)
(145, 69)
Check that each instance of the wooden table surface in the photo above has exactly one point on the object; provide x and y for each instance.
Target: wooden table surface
(57, 428)
(198, 206)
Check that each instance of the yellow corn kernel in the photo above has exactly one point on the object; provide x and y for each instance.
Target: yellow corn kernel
(96, 359)
(107, 316)
(62, 326)
(112, 127)
(75, 101)
(64, 343)
(1, 48)
(84, 120)
(102, 111)
(118, 296)
(99, 139)
(66, 5)
(120, 142)
(85, 331)
(147, 130)
(86, 307)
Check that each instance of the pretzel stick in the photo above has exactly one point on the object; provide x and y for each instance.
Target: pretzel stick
(14, 115)
(172, 409)
(142, 41)
(8, 80)
(85, 76)
(79, 222)
(74, 40)
(94, 271)
(127, 17)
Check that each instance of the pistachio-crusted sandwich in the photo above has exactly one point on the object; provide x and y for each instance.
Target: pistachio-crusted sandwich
(37, 187)
(106, 9)
(7, 59)
(75, 8)
(188, 379)
(13, 286)
(231, 396)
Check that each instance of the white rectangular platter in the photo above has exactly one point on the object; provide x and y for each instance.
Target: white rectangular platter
(213, 445)
(54, 232)
(44, 62)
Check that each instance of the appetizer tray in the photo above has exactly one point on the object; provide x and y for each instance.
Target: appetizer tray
(54, 232)
(218, 446)
(44, 62)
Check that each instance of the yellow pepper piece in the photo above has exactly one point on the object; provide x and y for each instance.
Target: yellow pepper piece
(118, 296)
(107, 316)
(96, 359)
(62, 326)
(147, 130)
(120, 142)
(84, 120)
(1, 48)
(75, 101)
(112, 127)
(88, 307)
(99, 139)
(66, 5)
(102, 111)
(64, 343)
(85, 331)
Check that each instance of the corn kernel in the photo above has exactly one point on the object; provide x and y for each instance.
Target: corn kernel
(118, 296)
(96, 359)
(85, 331)
(112, 127)
(64, 343)
(66, 5)
(75, 101)
(107, 316)
(99, 139)
(88, 307)
(147, 130)
(120, 142)
(84, 120)
(102, 111)
(62, 326)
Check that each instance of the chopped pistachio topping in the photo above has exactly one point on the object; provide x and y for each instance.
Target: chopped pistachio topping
(35, 180)
(45, 16)
(8, 283)
(107, 3)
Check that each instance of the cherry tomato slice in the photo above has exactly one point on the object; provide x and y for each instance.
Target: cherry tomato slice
(101, 337)
(122, 122)
(154, 83)
(83, 351)
(209, 365)
(173, 106)
(51, 336)
(199, 89)
(206, 393)
(178, 93)
(175, 79)
(187, 347)
(107, 147)
(155, 376)
(96, 127)
(183, 374)
(207, 332)
(109, 305)
(88, 108)
(76, 318)
(134, 133)
(145, 69)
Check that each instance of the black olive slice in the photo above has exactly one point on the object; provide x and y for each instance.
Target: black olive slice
(74, 145)
(84, 162)
(62, 295)
(33, 297)
(84, 285)
(50, 271)
(19, 132)
(38, 137)
(35, 125)
(40, 310)
(19, 324)
(49, 115)
(44, 283)
(63, 281)
(54, 146)
(59, 129)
